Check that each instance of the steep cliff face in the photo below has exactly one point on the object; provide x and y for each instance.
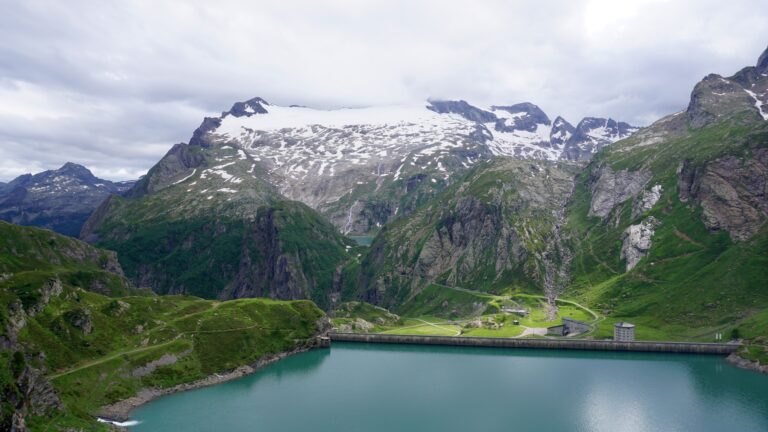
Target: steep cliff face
(669, 224)
(205, 222)
(732, 192)
(611, 188)
(491, 231)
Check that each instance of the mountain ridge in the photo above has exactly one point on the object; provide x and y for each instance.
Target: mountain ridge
(60, 199)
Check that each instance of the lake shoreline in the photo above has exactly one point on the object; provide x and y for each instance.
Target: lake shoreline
(740, 362)
(120, 411)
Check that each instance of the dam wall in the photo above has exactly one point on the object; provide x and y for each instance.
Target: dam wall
(558, 344)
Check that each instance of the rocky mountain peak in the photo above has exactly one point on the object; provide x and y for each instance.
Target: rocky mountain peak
(462, 108)
(77, 171)
(527, 108)
(762, 62)
(523, 116)
(247, 108)
(561, 132)
(59, 199)
(715, 97)
(561, 122)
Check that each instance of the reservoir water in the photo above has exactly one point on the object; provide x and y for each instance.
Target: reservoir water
(359, 387)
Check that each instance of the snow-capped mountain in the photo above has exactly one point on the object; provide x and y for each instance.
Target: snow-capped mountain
(60, 199)
(344, 162)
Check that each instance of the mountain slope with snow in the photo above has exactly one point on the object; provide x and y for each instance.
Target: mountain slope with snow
(361, 167)
(60, 200)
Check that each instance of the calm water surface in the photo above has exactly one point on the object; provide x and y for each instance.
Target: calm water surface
(362, 240)
(358, 387)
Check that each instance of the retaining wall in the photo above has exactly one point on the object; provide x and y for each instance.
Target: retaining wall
(570, 344)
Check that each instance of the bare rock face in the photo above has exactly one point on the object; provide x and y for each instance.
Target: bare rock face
(637, 241)
(33, 394)
(715, 97)
(733, 192)
(610, 188)
(48, 291)
(39, 391)
(646, 200)
(461, 240)
(479, 235)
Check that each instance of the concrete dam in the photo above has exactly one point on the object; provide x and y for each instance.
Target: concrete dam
(557, 344)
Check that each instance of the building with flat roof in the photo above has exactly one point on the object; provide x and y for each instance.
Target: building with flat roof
(569, 327)
(624, 332)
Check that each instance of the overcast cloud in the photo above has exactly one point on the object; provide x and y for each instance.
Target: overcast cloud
(113, 85)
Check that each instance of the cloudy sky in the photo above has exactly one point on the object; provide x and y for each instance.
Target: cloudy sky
(113, 85)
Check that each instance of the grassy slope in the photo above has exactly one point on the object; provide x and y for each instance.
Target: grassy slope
(29, 256)
(207, 337)
(693, 283)
(91, 369)
(192, 239)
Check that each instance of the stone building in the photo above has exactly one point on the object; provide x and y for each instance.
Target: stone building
(569, 327)
(624, 332)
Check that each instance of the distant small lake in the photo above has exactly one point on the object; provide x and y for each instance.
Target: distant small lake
(362, 240)
(377, 388)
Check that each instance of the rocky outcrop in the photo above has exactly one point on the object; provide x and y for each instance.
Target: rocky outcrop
(480, 234)
(739, 361)
(732, 192)
(646, 200)
(31, 395)
(50, 289)
(636, 241)
(180, 160)
(463, 109)
(359, 325)
(610, 188)
(81, 319)
(713, 98)
(528, 117)
(592, 134)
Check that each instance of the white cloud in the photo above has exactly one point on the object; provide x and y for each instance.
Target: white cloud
(114, 85)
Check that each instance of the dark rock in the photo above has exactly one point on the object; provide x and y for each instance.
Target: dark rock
(248, 108)
(715, 97)
(181, 159)
(732, 191)
(533, 117)
(200, 135)
(592, 134)
(463, 109)
(60, 200)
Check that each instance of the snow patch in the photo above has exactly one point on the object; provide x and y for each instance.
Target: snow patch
(186, 178)
(758, 104)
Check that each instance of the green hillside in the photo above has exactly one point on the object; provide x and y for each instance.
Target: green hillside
(66, 351)
(204, 222)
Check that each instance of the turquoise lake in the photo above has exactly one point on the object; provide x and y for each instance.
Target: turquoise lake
(359, 387)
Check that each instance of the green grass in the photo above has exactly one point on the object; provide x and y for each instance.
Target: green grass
(694, 283)
(426, 329)
(93, 368)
